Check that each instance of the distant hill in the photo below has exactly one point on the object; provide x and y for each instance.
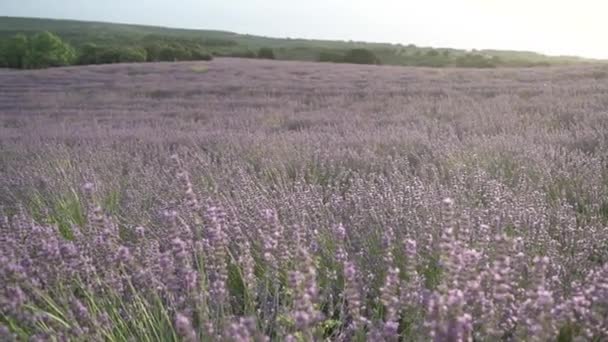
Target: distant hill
(222, 43)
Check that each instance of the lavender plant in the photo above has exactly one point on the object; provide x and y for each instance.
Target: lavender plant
(270, 201)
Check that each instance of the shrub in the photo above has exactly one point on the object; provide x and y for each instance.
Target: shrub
(243, 54)
(474, 60)
(16, 50)
(153, 51)
(198, 53)
(40, 51)
(266, 53)
(3, 60)
(219, 42)
(47, 50)
(93, 54)
(130, 55)
(174, 53)
(109, 55)
(432, 53)
(361, 56)
(334, 57)
(89, 54)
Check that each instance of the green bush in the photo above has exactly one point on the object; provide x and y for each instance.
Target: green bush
(89, 54)
(237, 54)
(132, 55)
(245, 54)
(334, 57)
(198, 53)
(434, 62)
(178, 51)
(219, 42)
(47, 50)
(3, 61)
(356, 56)
(474, 60)
(432, 53)
(109, 55)
(174, 53)
(153, 51)
(150, 52)
(40, 51)
(16, 51)
(120, 55)
(266, 53)
(361, 56)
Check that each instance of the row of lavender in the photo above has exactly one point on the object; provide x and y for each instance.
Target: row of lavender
(364, 203)
(205, 277)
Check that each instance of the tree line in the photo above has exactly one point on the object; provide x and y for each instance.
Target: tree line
(415, 57)
(46, 49)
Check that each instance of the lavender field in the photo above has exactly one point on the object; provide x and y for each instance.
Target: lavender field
(244, 200)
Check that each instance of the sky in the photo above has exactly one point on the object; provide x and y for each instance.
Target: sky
(556, 27)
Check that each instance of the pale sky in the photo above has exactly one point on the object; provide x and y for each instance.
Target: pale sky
(548, 26)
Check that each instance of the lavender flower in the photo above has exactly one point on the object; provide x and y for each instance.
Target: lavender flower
(184, 328)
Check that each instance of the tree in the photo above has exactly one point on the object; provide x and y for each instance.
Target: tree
(89, 54)
(16, 51)
(176, 52)
(266, 53)
(239, 54)
(48, 50)
(153, 51)
(217, 42)
(132, 55)
(108, 55)
(327, 56)
(3, 61)
(114, 54)
(198, 53)
(432, 53)
(473, 60)
(361, 56)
